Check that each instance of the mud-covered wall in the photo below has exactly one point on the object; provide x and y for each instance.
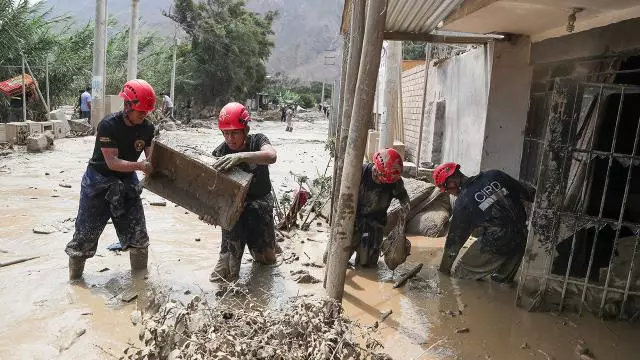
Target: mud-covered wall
(507, 106)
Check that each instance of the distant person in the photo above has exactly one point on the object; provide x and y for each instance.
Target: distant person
(167, 106)
(77, 107)
(289, 114)
(255, 228)
(283, 112)
(85, 104)
(110, 188)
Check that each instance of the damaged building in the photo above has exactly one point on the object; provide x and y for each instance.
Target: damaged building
(555, 103)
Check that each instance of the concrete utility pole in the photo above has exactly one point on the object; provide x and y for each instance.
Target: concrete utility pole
(427, 61)
(24, 92)
(99, 80)
(132, 60)
(322, 96)
(173, 71)
(46, 71)
(391, 92)
(356, 34)
(342, 229)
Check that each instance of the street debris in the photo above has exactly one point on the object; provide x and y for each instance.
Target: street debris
(385, 314)
(129, 296)
(17, 261)
(413, 272)
(104, 269)
(67, 186)
(303, 277)
(462, 331)
(308, 328)
(158, 203)
(44, 229)
(69, 338)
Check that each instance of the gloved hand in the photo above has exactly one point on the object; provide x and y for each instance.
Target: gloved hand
(208, 219)
(228, 161)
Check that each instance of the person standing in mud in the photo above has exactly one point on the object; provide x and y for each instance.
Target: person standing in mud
(381, 182)
(110, 188)
(289, 116)
(255, 228)
(491, 204)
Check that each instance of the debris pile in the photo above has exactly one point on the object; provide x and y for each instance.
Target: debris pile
(310, 328)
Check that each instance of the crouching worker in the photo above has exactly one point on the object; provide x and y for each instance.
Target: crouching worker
(489, 204)
(110, 188)
(381, 182)
(255, 227)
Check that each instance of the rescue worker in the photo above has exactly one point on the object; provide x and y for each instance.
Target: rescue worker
(110, 188)
(252, 153)
(381, 182)
(489, 204)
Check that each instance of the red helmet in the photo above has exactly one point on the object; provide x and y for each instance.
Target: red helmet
(139, 94)
(389, 165)
(442, 173)
(233, 116)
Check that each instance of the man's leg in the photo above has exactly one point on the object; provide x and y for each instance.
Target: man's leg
(476, 264)
(231, 250)
(131, 228)
(93, 214)
(261, 234)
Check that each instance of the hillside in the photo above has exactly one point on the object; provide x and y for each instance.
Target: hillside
(304, 30)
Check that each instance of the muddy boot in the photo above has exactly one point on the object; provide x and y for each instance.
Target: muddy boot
(138, 258)
(221, 271)
(76, 267)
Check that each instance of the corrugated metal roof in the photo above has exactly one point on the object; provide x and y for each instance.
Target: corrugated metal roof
(417, 16)
(410, 16)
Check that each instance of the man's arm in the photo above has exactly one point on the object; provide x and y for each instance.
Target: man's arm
(460, 229)
(265, 156)
(116, 164)
(400, 193)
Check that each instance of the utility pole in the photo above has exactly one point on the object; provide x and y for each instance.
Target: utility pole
(390, 96)
(173, 71)
(132, 60)
(99, 80)
(24, 92)
(46, 72)
(427, 61)
(342, 228)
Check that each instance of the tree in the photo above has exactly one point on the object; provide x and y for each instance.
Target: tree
(413, 50)
(229, 46)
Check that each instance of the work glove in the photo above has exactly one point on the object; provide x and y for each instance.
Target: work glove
(228, 161)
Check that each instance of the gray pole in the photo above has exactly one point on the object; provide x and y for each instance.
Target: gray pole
(342, 228)
(99, 61)
(322, 96)
(132, 60)
(390, 96)
(173, 72)
(427, 60)
(24, 93)
(46, 70)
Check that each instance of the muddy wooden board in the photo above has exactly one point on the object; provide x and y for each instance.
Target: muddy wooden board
(191, 182)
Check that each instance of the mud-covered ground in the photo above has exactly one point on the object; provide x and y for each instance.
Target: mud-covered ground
(43, 316)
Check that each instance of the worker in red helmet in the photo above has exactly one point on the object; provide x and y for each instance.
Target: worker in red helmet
(110, 188)
(490, 205)
(381, 182)
(255, 228)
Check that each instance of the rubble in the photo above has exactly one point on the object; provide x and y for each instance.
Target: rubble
(312, 328)
(39, 142)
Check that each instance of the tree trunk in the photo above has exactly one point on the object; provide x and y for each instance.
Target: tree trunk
(342, 229)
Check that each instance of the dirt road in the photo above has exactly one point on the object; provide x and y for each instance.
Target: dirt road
(45, 317)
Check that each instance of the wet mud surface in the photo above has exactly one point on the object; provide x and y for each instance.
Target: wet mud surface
(46, 317)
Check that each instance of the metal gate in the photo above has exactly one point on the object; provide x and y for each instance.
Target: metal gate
(584, 233)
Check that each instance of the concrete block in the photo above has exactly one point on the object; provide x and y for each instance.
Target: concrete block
(193, 184)
(81, 126)
(57, 115)
(400, 147)
(3, 133)
(17, 133)
(37, 142)
(113, 103)
(409, 169)
(60, 128)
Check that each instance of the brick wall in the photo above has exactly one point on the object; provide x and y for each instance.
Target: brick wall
(412, 89)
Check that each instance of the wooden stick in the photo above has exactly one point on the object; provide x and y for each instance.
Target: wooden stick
(18, 261)
(408, 276)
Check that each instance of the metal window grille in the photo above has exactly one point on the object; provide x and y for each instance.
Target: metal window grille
(584, 234)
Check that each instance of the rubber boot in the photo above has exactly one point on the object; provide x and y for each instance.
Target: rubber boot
(138, 258)
(76, 267)
(221, 271)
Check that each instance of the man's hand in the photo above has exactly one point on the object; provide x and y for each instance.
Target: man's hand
(208, 219)
(228, 161)
(146, 167)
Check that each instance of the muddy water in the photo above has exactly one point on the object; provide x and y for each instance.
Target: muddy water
(42, 314)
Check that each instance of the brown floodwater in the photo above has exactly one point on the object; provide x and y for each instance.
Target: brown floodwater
(43, 316)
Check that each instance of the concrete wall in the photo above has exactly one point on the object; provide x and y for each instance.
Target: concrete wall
(507, 106)
(412, 89)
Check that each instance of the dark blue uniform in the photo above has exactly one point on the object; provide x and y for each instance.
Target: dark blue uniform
(491, 204)
(106, 194)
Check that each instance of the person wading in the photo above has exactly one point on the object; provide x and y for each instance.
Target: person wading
(109, 188)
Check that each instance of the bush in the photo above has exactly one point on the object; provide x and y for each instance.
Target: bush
(307, 101)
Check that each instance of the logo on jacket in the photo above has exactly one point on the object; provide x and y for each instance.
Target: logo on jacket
(139, 145)
(489, 194)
